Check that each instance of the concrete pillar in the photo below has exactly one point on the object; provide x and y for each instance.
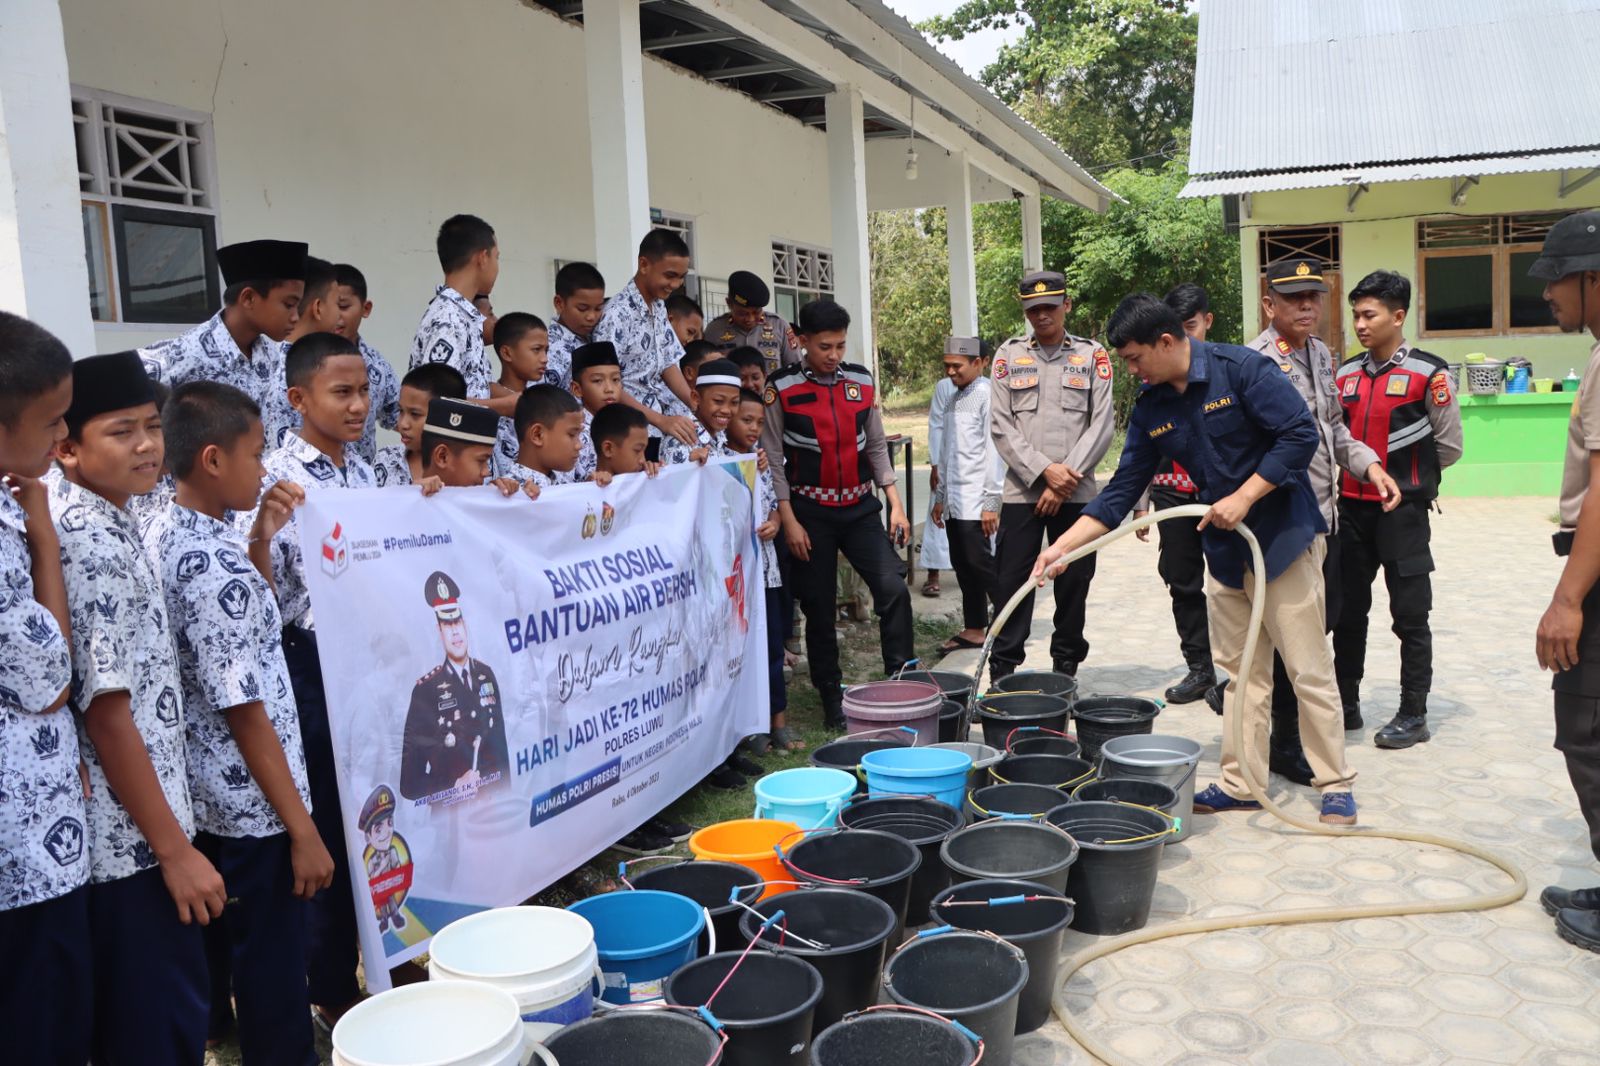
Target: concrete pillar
(963, 271)
(1032, 235)
(618, 162)
(847, 200)
(43, 273)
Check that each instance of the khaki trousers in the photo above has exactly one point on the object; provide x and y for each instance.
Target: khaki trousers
(1292, 624)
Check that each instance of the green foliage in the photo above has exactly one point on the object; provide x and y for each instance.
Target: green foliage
(910, 295)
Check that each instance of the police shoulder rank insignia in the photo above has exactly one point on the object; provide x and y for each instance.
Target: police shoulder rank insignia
(1102, 364)
(1283, 346)
(1439, 387)
(770, 397)
(1396, 386)
(852, 391)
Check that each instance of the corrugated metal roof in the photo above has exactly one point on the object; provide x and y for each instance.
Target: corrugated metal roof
(1293, 85)
(1371, 175)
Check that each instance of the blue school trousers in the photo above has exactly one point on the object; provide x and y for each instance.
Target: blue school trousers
(261, 942)
(331, 944)
(151, 1002)
(46, 981)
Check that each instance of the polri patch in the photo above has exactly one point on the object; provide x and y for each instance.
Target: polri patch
(1439, 387)
(852, 391)
(1218, 404)
(1396, 386)
(770, 397)
(1102, 364)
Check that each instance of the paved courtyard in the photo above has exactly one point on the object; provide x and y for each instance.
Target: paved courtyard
(1496, 986)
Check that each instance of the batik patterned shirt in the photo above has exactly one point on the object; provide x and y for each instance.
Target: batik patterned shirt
(208, 352)
(645, 345)
(44, 848)
(588, 459)
(229, 639)
(389, 466)
(766, 503)
(674, 450)
(300, 462)
(451, 332)
(503, 460)
(558, 367)
(120, 643)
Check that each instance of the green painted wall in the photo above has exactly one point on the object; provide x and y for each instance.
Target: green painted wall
(1381, 234)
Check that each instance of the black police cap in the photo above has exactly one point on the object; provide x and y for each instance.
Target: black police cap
(1289, 276)
(747, 290)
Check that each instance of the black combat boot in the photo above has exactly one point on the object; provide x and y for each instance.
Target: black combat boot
(1350, 697)
(1195, 684)
(1409, 726)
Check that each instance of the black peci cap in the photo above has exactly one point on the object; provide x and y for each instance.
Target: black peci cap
(461, 420)
(262, 261)
(104, 383)
(596, 353)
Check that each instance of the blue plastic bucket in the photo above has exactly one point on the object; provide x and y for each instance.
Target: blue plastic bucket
(937, 772)
(641, 938)
(808, 796)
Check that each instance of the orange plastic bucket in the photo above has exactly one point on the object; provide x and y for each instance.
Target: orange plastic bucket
(748, 842)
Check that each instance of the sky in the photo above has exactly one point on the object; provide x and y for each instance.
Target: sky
(973, 52)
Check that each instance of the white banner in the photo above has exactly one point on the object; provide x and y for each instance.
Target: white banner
(513, 685)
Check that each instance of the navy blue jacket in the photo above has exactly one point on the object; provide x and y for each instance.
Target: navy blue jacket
(1239, 416)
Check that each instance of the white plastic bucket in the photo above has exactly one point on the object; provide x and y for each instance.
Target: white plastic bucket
(452, 1023)
(543, 956)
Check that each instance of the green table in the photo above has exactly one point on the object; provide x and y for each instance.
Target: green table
(1514, 444)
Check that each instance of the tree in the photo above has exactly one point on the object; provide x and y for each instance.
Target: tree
(1108, 80)
(910, 295)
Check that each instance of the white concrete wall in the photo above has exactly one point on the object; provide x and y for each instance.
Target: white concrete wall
(888, 189)
(360, 125)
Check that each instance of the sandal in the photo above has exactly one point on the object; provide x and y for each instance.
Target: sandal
(786, 738)
(957, 643)
(931, 589)
(758, 743)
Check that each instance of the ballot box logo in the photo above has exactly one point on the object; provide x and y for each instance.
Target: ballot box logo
(335, 553)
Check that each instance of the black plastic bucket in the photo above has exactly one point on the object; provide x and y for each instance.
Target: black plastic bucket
(1003, 712)
(1065, 772)
(1101, 718)
(854, 929)
(1115, 875)
(1135, 790)
(845, 754)
(885, 1036)
(1019, 851)
(952, 721)
(867, 860)
(708, 884)
(1012, 802)
(954, 686)
(1047, 681)
(767, 1007)
(924, 823)
(1034, 925)
(1033, 741)
(659, 1037)
(970, 978)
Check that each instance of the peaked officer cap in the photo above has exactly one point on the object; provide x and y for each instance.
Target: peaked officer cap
(1042, 288)
(1289, 276)
(443, 595)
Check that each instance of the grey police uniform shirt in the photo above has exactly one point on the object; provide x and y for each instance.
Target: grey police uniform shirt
(208, 352)
(389, 466)
(770, 337)
(646, 346)
(229, 639)
(1050, 406)
(1311, 370)
(301, 463)
(44, 846)
(451, 332)
(120, 642)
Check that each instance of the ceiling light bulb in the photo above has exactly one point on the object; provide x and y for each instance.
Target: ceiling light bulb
(911, 164)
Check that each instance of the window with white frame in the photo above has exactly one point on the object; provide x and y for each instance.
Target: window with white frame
(799, 275)
(148, 186)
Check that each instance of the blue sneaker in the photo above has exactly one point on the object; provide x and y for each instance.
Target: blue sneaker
(1338, 808)
(1215, 801)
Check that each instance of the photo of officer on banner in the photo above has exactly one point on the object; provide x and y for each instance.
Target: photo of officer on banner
(455, 737)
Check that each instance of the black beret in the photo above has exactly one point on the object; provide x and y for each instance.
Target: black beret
(461, 420)
(747, 290)
(104, 383)
(598, 353)
(262, 261)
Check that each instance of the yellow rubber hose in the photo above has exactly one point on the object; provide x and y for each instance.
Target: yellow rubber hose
(1234, 723)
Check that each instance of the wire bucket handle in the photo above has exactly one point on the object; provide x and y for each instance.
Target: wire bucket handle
(1005, 816)
(1175, 825)
(903, 1008)
(817, 879)
(1036, 729)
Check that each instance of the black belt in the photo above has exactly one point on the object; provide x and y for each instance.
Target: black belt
(1561, 541)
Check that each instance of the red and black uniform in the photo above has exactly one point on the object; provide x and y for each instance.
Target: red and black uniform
(1404, 409)
(824, 438)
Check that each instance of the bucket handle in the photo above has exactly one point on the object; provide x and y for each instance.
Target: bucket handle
(908, 1009)
(777, 916)
(1063, 786)
(1184, 780)
(940, 930)
(1176, 824)
(1007, 901)
(533, 1049)
(915, 736)
(1010, 816)
(622, 867)
(908, 664)
(700, 1013)
(815, 878)
(1036, 729)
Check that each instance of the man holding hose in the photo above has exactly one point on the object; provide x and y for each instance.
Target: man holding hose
(1246, 437)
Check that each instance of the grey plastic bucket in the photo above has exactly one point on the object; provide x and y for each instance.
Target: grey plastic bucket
(1156, 757)
(982, 756)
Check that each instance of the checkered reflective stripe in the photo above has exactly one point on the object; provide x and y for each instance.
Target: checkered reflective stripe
(832, 497)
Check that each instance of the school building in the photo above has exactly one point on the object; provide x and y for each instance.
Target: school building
(135, 138)
(1438, 138)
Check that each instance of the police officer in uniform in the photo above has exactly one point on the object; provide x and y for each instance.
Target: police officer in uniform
(1294, 307)
(823, 422)
(1050, 415)
(748, 322)
(1569, 633)
(455, 730)
(1400, 401)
